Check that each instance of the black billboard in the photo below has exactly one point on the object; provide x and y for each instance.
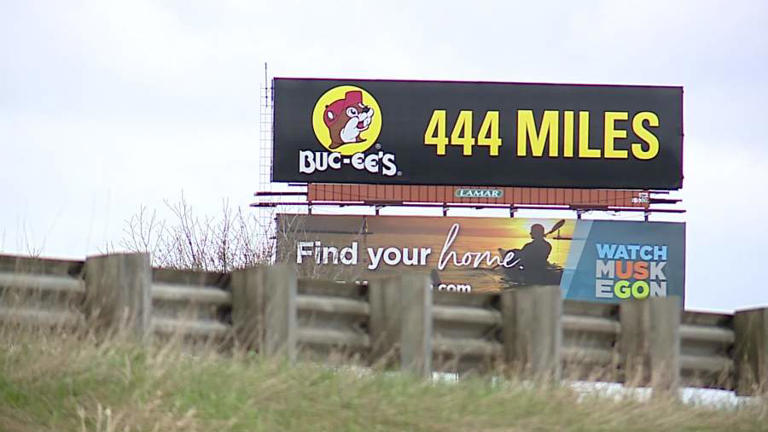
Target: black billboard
(471, 133)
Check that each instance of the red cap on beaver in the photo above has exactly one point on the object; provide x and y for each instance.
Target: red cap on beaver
(353, 97)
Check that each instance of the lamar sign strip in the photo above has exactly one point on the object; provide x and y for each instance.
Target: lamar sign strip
(373, 193)
(477, 134)
(478, 193)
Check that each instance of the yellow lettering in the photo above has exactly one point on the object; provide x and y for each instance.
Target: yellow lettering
(568, 134)
(611, 134)
(489, 133)
(526, 129)
(462, 132)
(622, 289)
(644, 134)
(584, 151)
(640, 290)
(435, 133)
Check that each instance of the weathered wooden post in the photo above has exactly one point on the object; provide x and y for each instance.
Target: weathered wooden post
(385, 324)
(751, 351)
(248, 306)
(416, 324)
(118, 292)
(531, 330)
(280, 312)
(650, 342)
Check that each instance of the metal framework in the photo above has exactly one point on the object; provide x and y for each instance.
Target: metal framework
(298, 198)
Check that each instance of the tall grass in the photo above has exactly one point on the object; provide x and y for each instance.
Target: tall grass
(63, 380)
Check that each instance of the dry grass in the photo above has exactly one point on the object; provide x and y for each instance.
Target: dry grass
(233, 239)
(73, 381)
(178, 237)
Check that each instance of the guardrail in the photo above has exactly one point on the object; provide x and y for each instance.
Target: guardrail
(466, 332)
(41, 291)
(397, 322)
(707, 344)
(194, 304)
(591, 340)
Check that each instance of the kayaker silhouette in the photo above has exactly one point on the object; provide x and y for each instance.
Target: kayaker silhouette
(533, 256)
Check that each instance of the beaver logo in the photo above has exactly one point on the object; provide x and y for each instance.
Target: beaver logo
(347, 120)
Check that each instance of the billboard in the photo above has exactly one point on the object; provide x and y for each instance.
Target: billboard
(477, 134)
(604, 261)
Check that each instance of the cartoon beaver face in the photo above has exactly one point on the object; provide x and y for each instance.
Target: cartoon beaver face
(347, 118)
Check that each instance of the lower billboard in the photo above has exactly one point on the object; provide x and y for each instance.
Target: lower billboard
(604, 261)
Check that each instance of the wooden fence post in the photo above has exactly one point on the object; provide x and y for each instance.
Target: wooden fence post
(385, 324)
(531, 330)
(280, 312)
(751, 351)
(248, 307)
(650, 342)
(416, 324)
(118, 292)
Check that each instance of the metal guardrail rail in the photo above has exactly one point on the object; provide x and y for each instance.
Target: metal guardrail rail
(186, 310)
(41, 292)
(40, 317)
(333, 316)
(466, 334)
(707, 348)
(49, 283)
(591, 340)
(196, 295)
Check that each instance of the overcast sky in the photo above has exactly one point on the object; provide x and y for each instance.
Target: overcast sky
(108, 106)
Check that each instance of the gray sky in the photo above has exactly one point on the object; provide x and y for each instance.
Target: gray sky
(107, 106)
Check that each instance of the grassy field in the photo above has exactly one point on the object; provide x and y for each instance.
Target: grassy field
(60, 381)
